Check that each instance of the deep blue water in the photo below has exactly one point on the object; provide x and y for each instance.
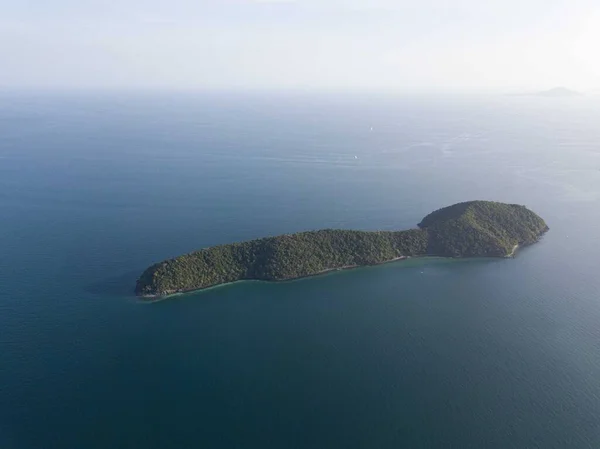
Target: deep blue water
(421, 354)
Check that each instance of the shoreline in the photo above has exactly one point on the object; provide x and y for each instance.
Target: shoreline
(157, 298)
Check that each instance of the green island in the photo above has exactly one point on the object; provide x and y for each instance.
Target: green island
(469, 229)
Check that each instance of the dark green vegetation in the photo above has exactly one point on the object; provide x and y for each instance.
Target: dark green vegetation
(476, 228)
(481, 229)
(279, 258)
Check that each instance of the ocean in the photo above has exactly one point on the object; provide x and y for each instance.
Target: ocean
(425, 353)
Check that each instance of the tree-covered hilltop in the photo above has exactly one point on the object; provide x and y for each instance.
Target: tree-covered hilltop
(476, 228)
(481, 228)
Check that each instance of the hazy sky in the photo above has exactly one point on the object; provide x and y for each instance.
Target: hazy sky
(300, 43)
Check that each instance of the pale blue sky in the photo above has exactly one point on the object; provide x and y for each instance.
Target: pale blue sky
(441, 44)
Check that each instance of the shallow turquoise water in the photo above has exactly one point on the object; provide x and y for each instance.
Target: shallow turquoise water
(422, 353)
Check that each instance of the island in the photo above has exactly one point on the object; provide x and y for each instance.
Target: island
(558, 92)
(469, 229)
